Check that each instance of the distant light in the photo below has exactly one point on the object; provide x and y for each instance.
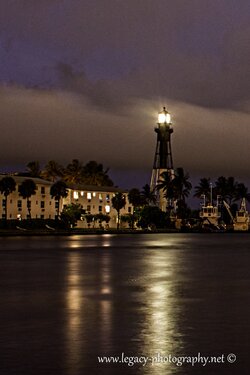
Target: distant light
(107, 209)
(164, 117)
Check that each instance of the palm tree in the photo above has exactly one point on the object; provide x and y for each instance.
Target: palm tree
(74, 172)
(52, 171)
(26, 190)
(204, 188)
(7, 186)
(242, 192)
(166, 184)
(58, 190)
(94, 174)
(33, 168)
(226, 188)
(135, 198)
(148, 195)
(181, 184)
(118, 202)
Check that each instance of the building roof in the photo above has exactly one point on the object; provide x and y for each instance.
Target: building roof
(20, 179)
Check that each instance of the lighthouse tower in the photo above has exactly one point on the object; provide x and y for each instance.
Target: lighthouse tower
(163, 160)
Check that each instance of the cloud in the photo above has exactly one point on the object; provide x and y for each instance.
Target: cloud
(43, 125)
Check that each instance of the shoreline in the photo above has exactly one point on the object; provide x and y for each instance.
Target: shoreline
(83, 232)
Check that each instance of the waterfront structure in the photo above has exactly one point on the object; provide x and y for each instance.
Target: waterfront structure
(163, 159)
(93, 200)
(41, 204)
(210, 213)
(96, 200)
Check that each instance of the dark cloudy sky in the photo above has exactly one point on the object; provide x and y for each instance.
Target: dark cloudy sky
(85, 79)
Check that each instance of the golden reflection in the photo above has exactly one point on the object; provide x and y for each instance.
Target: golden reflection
(160, 333)
(74, 309)
(106, 302)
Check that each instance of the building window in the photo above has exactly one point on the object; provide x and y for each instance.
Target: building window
(4, 202)
(56, 204)
(19, 204)
(129, 209)
(42, 190)
(107, 209)
(36, 202)
(82, 193)
(3, 216)
(88, 208)
(100, 208)
(107, 197)
(50, 203)
(76, 195)
(42, 204)
(100, 197)
(42, 216)
(10, 200)
(89, 196)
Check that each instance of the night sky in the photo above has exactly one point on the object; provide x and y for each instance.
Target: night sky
(86, 79)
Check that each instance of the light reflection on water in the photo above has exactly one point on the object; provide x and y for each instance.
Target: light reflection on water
(104, 295)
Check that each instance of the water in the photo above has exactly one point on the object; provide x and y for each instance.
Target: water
(67, 300)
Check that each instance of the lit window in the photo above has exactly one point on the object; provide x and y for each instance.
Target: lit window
(107, 197)
(94, 194)
(88, 196)
(82, 193)
(100, 197)
(76, 195)
(107, 208)
(100, 208)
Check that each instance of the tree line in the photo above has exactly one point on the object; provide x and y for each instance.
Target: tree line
(75, 172)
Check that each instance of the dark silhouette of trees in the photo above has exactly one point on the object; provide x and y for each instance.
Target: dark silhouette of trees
(118, 202)
(203, 189)
(59, 190)
(52, 171)
(7, 186)
(33, 168)
(148, 196)
(26, 190)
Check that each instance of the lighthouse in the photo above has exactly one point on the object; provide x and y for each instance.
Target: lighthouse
(163, 159)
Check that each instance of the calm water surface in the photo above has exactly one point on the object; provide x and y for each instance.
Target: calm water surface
(67, 300)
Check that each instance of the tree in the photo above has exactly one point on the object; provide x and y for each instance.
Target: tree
(118, 202)
(33, 168)
(135, 198)
(148, 196)
(226, 188)
(166, 184)
(74, 172)
(204, 188)
(7, 186)
(94, 174)
(71, 214)
(153, 217)
(26, 190)
(176, 189)
(242, 192)
(52, 171)
(181, 184)
(59, 190)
